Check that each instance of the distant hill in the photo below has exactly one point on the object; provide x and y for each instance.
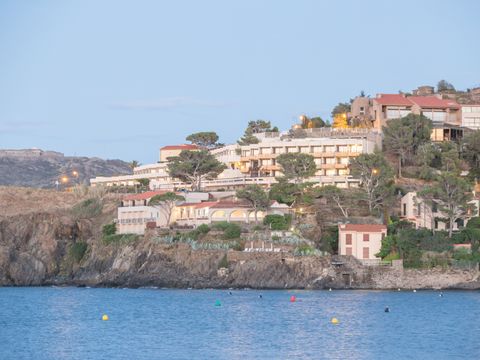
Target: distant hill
(40, 169)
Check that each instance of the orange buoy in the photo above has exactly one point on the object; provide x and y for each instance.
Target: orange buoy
(293, 298)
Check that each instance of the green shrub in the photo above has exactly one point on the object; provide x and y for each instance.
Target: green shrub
(203, 229)
(77, 250)
(276, 222)
(392, 256)
(275, 238)
(230, 230)
(233, 231)
(120, 239)
(88, 208)
(305, 250)
(224, 262)
(258, 228)
(222, 225)
(109, 229)
(239, 246)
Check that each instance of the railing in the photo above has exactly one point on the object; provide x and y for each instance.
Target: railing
(375, 262)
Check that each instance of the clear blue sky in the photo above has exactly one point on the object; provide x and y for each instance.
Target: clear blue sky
(119, 79)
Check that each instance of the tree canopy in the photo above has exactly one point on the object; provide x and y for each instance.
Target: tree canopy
(444, 85)
(376, 179)
(255, 127)
(297, 166)
(194, 166)
(256, 196)
(341, 108)
(206, 139)
(404, 136)
(471, 152)
(166, 202)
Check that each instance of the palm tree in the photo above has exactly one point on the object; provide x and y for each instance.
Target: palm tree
(133, 164)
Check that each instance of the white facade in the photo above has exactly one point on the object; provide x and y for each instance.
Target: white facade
(471, 116)
(425, 215)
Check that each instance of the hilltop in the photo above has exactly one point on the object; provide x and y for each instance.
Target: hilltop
(40, 169)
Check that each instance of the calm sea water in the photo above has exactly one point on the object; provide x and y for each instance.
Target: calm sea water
(65, 323)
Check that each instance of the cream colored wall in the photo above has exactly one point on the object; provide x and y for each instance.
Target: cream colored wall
(374, 244)
(133, 219)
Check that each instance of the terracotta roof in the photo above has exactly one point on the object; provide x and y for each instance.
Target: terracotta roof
(180, 147)
(434, 102)
(393, 99)
(362, 227)
(144, 196)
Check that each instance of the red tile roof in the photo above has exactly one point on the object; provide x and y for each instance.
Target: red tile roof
(434, 102)
(180, 147)
(362, 227)
(393, 99)
(144, 196)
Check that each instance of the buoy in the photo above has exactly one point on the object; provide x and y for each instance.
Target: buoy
(414, 290)
(399, 289)
(260, 296)
(105, 317)
(387, 309)
(330, 289)
(293, 298)
(441, 295)
(334, 321)
(218, 303)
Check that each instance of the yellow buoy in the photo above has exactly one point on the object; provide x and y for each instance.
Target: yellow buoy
(104, 317)
(335, 321)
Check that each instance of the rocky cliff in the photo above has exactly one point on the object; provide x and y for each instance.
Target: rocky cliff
(39, 229)
(37, 168)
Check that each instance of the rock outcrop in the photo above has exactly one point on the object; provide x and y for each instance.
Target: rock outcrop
(38, 231)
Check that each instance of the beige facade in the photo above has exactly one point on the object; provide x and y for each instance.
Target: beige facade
(135, 215)
(333, 150)
(361, 241)
(426, 215)
(223, 210)
(174, 150)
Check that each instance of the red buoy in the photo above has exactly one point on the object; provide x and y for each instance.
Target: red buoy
(293, 298)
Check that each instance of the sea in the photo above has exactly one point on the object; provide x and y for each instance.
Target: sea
(66, 323)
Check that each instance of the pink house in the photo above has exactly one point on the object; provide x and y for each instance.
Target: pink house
(362, 241)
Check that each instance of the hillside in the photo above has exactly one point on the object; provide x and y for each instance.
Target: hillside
(52, 237)
(40, 169)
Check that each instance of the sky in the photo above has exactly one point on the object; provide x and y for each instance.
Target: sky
(119, 79)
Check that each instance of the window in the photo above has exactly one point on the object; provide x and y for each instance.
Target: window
(366, 237)
(436, 224)
(366, 253)
(404, 209)
(348, 251)
(383, 236)
(348, 239)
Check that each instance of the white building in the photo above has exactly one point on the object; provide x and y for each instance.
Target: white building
(427, 215)
(471, 116)
(333, 150)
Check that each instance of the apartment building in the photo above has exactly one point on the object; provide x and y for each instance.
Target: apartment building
(362, 241)
(332, 149)
(427, 215)
(471, 116)
(446, 114)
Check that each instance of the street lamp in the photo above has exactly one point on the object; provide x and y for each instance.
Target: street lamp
(75, 173)
(375, 171)
(64, 179)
